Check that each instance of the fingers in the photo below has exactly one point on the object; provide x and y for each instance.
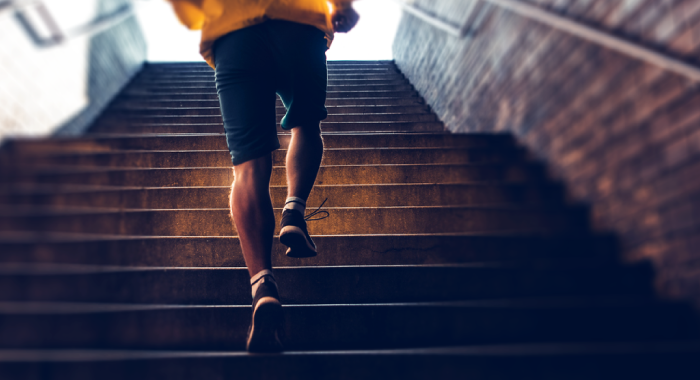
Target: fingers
(344, 20)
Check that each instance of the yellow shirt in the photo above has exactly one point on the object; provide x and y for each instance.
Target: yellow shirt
(219, 17)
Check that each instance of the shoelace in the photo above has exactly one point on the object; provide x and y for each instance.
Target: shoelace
(317, 212)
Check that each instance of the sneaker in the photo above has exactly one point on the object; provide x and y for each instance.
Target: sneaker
(263, 333)
(294, 235)
(293, 232)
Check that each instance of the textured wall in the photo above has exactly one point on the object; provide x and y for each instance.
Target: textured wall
(44, 89)
(624, 135)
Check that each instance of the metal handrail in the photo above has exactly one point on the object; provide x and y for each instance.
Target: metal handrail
(58, 36)
(572, 27)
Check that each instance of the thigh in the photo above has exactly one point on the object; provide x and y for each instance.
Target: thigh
(301, 58)
(246, 89)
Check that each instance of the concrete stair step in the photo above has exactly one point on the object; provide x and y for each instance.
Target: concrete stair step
(195, 64)
(343, 221)
(207, 86)
(184, 89)
(173, 95)
(168, 66)
(445, 255)
(216, 111)
(211, 251)
(328, 175)
(342, 195)
(302, 285)
(386, 101)
(216, 141)
(222, 158)
(329, 62)
(544, 361)
(331, 70)
(146, 77)
(379, 117)
(368, 109)
(335, 327)
(333, 80)
(203, 66)
(206, 119)
(381, 127)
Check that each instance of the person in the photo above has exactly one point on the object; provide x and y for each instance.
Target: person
(260, 48)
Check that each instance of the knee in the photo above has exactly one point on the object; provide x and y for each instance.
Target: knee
(253, 171)
(309, 134)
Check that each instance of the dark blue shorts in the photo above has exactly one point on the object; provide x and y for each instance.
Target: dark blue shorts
(255, 63)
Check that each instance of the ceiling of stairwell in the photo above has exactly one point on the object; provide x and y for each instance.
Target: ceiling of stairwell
(370, 40)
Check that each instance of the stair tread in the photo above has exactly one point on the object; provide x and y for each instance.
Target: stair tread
(559, 349)
(353, 326)
(442, 250)
(227, 285)
(110, 249)
(31, 210)
(569, 302)
(581, 263)
(345, 220)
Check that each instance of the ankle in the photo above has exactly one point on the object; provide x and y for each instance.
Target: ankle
(265, 276)
(295, 203)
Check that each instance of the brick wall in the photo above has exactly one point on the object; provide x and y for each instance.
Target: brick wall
(63, 88)
(623, 134)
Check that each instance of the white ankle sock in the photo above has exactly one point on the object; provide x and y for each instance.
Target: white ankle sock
(294, 203)
(264, 275)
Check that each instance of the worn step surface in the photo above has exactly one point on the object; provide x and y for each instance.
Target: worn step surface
(214, 141)
(374, 195)
(342, 126)
(344, 220)
(280, 110)
(345, 326)
(300, 285)
(332, 118)
(445, 256)
(540, 361)
(225, 251)
(222, 158)
(378, 94)
(328, 175)
(122, 103)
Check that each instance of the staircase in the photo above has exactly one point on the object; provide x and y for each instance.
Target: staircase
(444, 256)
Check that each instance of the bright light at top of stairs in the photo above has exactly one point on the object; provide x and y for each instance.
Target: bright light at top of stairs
(168, 40)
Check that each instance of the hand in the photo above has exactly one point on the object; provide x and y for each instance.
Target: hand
(344, 19)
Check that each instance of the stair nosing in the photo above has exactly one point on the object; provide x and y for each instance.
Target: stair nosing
(564, 302)
(558, 349)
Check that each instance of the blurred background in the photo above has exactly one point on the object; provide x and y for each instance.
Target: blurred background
(53, 52)
(604, 92)
(590, 109)
(167, 40)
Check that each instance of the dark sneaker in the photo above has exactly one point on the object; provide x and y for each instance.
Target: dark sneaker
(293, 232)
(263, 333)
(294, 235)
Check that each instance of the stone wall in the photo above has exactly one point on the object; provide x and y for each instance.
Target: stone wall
(61, 89)
(623, 134)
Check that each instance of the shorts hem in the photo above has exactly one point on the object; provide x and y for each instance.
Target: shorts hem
(304, 124)
(243, 158)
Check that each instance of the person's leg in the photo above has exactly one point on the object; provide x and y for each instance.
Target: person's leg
(303, 161)
(302, 48)
(247, 97)
(246, 90)
(251, 211)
